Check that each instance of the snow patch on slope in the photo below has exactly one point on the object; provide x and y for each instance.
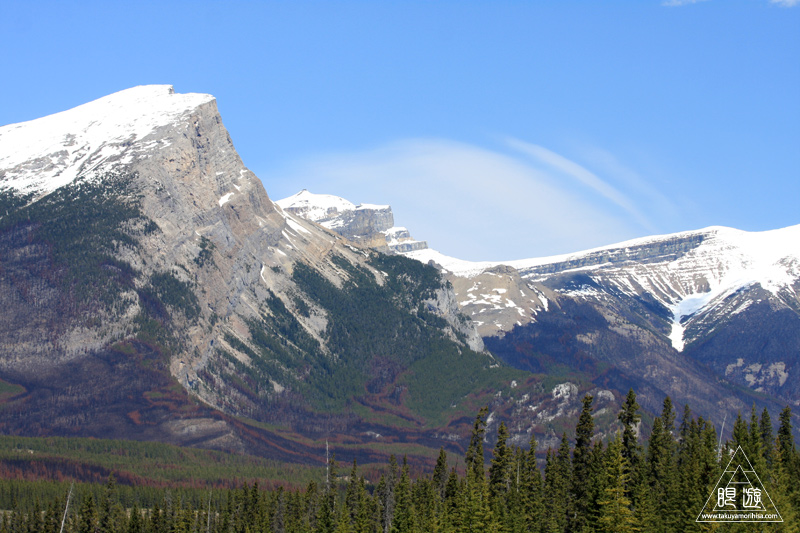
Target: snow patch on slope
(42, 155)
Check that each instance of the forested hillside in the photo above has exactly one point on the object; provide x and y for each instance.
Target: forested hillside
(656, 483)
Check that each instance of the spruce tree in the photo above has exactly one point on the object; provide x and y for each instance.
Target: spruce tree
(557, 482)
(476, 512)
(440, 473)
(767, 438)
(785, 438)
(530, 486)
(629, 417)
(404, 520)
(474, 458)
(499, 474)
(351, 498)
(615, 515)
(135, 522)
(581, 492)
(88, 516)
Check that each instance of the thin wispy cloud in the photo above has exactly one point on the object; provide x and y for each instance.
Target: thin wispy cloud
(678, 3)
(785, 3)
(581, 174)
(471, 202)
(658, 204)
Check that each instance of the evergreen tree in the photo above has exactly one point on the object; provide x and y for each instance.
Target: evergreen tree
(135, 522)
(386, 493)
(454, 499)
(629, 417)
(581, 492)
(352, 499)
(767, 438)
(499, 471)
(557, 482)
(476, 513)
(440, 473)
(615, 515)
(404, 519)
(474, 458)
(786, 439)
(784, 492)
(88, 516)
(741, 434)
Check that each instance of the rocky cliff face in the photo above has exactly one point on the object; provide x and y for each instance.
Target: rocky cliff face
(193, 275)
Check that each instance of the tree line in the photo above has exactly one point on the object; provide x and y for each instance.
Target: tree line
(629, 483)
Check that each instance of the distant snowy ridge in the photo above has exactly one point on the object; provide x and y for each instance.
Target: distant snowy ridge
(689, 273)
(42, 155)
(768, 246)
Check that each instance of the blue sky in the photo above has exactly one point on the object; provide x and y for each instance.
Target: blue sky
(496, 130)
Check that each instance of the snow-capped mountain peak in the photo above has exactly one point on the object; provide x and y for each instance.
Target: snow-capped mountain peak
(315, 207)
(42, 155)
(369, 224)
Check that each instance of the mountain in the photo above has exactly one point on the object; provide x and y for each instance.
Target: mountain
(661, 314)
(367, 224)
(152, 290)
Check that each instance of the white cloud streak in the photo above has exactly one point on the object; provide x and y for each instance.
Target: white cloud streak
(679, 3)
(785, 3)
(584, 176)
(474, 203)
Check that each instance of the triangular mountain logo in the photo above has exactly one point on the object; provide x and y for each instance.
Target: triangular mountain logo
(739, 495)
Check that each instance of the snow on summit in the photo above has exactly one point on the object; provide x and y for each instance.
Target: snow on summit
(316, 207)
(42, 155)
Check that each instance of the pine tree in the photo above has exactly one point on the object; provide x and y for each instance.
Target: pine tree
(629, 417)
(440, 473)
(135, 522)
(476, 512)
(786, 439)
(767, 438)
(88, 516)
(499, 474)
(581, 493)
(474, 458)
(615, 515)
(352, 496)
(557, 482)
(404, 519)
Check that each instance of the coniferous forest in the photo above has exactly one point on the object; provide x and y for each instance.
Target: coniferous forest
(651, 483)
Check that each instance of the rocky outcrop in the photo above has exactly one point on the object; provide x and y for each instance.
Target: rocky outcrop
(366, 224)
